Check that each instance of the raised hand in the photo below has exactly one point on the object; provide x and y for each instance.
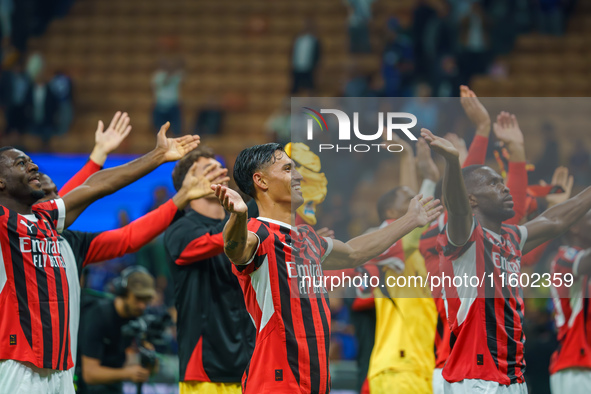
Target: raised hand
(507, 129)
(459, 144)
(230, 199)
(325, 232)
(475, 110)
(562, 179)
(197, 185)
(173, 149)
(425, 164)
(108, 140)
(424, 210)
(440, 145)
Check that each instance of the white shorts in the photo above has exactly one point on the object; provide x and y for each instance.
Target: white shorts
(571, 381)
(21, 378)
(478, 386)
(438, 381)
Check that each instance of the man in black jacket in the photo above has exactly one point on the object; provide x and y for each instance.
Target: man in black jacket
(215, 332)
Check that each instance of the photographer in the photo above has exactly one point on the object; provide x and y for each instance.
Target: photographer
(102, 342)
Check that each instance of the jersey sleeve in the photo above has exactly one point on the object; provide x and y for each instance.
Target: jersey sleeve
(81, 176)
(452, 251)
(517, 184)
(477, 151)
(108, 245)
(522, 236)
(188, 241)
(326, 245)
(54, 211)
(80, 243)
(265, 246)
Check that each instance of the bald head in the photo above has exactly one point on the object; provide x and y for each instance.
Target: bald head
(488, 194)
(475, 175)
(3, 155)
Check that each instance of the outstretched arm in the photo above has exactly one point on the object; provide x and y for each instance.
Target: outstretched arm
(239, 243)
(365, 247)
(507, 130)
(131, 238)
(556, 220)
(455, 196)
(108, 181)
(104, 143)
(481, 119)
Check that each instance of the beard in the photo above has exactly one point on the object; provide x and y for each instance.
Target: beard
(37, 194)
(505, 214)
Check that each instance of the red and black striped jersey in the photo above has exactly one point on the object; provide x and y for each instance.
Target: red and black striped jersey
(485, 318)
(572, 312)
(428, 249)
(34, 298)
(81, 248)
(289, 305)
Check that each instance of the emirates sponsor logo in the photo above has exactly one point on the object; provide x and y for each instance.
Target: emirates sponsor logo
(44, 252)
(45, 245)
(504, 264)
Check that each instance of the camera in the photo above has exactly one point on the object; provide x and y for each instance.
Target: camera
(148, 328)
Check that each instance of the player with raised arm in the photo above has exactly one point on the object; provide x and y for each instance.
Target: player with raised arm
(34, 298)
(82, 248)
(570, 365)
(486, 322)
(279, 268)
(507, 131)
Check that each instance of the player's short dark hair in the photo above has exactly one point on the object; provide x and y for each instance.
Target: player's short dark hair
(251, 160)
(182, 166)
(471, 177)
(5, 148)
(385, 202)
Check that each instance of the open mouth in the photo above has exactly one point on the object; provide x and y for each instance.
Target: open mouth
(34, 180)
(296, 187)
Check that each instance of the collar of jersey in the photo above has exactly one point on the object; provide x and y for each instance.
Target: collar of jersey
(278, 222)
(30, 217)
(496, 236)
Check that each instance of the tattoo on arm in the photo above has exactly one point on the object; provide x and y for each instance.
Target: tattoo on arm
(231, 245)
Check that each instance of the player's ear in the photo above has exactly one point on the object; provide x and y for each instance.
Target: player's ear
(473, 201)
(259, 180)
(2, 183)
